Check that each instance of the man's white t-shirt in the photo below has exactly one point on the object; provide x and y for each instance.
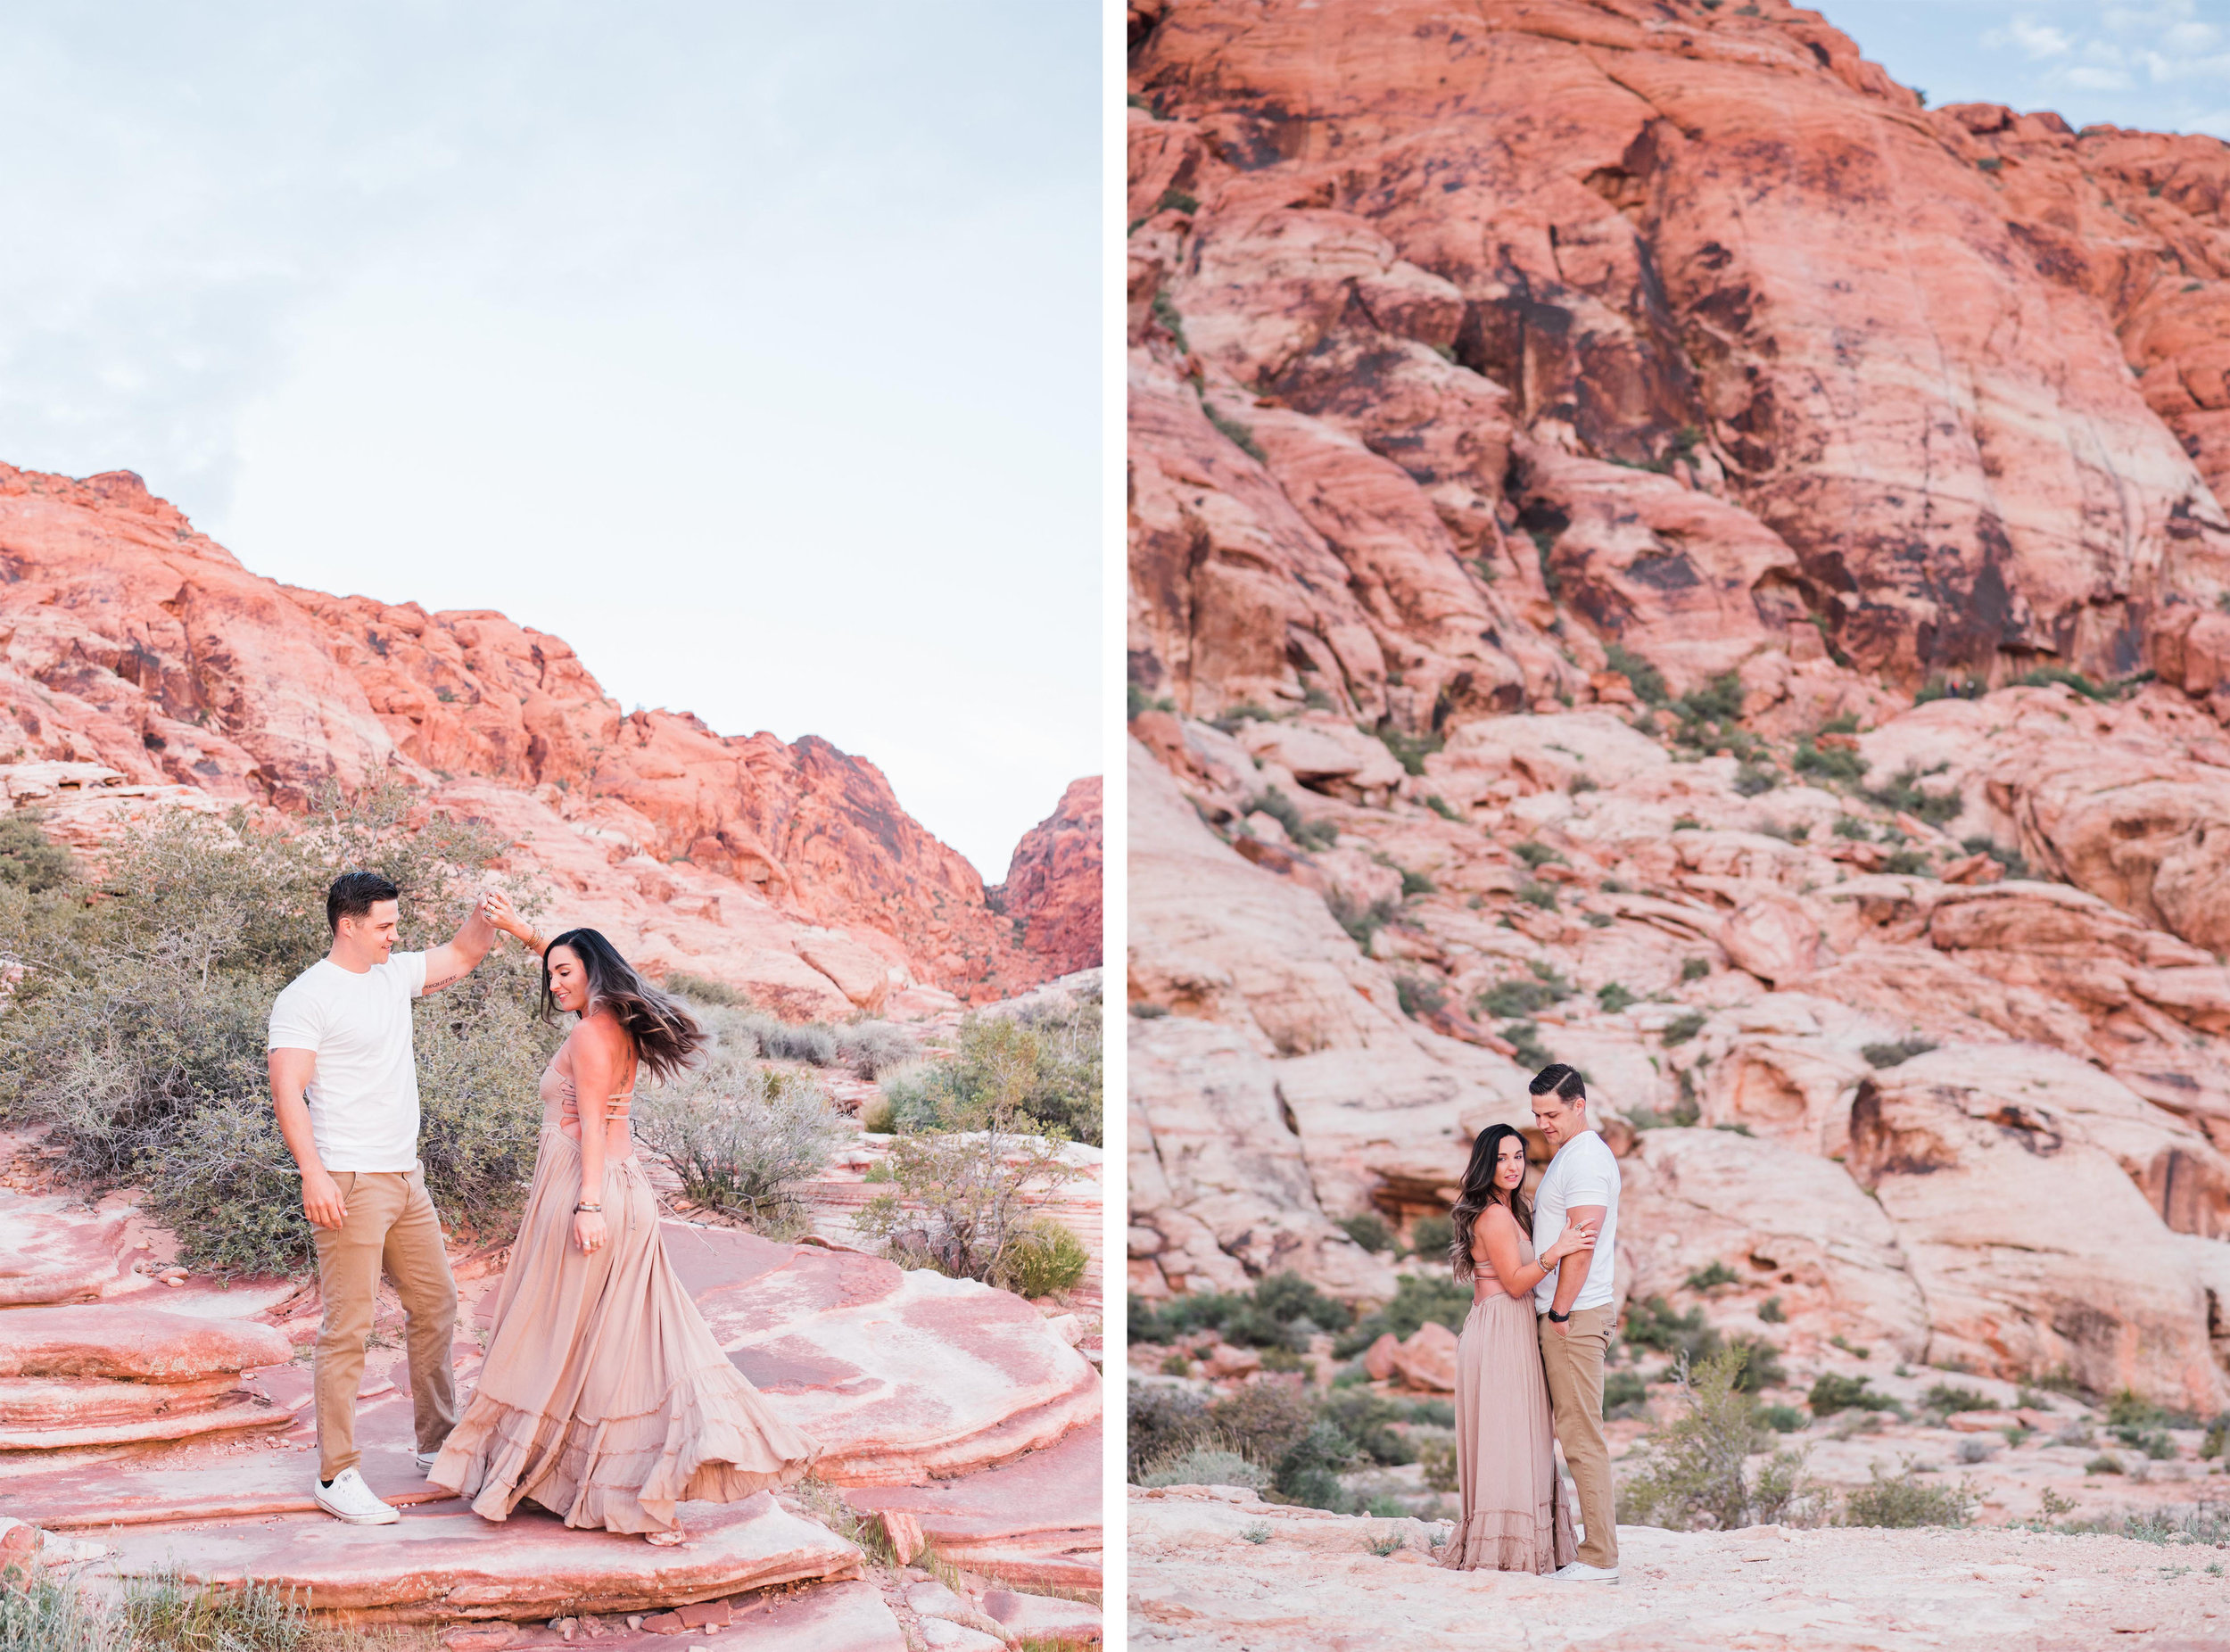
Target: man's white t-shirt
(364, 1097)
(1583, 1172)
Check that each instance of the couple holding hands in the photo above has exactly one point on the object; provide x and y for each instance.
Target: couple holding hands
(603, 1397)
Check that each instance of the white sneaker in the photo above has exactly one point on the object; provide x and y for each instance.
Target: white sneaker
(1579, 1572)
(426, 1460)
(350, 1500)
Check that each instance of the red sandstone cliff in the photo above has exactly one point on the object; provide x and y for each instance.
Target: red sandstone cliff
(1484, 358)
(1051, 892)
(135, 642)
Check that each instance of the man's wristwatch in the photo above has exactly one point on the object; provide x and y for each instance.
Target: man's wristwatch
(1558, 1318)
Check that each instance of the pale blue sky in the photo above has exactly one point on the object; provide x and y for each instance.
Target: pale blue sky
(2164, 66)
(751, 347)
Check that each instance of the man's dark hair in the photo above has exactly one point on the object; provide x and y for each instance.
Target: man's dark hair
(1566, 1081)
(354, 892)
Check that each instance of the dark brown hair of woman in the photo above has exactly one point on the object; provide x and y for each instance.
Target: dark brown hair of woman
(1479, 1192)
(665, 1036)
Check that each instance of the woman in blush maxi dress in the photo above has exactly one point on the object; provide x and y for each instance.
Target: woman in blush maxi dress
(1515, 1516)
(604, 1398)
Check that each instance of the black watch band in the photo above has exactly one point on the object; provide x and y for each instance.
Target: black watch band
(1558, 1318)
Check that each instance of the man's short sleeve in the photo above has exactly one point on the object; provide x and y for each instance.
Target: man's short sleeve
(1593, 1180)
(296, 1023)
(411, 967)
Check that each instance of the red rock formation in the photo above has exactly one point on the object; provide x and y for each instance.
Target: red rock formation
(1486, 366)
(1051, 892)
(135, 642)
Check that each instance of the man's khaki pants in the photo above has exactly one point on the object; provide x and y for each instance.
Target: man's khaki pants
(1572, 1359)
(390, 1225)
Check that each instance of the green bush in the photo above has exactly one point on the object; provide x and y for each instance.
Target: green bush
(1752, 780)
(1044, 1258)
(1239, 435)
(1281, 808)
(1360, 921)
(1761, 1364)
(2047, 676)
(1694, 1472)
(1442, 1472)
(1418, 996)
(1044, 1063)
(1943, 1398)
(29, 860)
(1536, 895)
(1832, 1392)
(1524, 1040)
(1262, 1420)
(1652, 1324)
(138, 1031)
(1613, 997)
(1681, 1028)
(1904, 794)
(702, 989)
(1514, 998)
(1205, 1465)
(1901, 1499)
(1160, 1423)
(2152, 1441)
(1712, 1278)
(1718, 701)
(740, 1136)
(1538, 855)
(1782, 1419)
(1694, 969)
(1281, 1311)
(1409, 751)
(1648, 681)
(1417, 1298)
(1624, 1393)
(1371, 1424)
(1308, 1469)
(1440, 806)
(1369, 1230)
(1831, 763)
(2128, 1408)
(1770, 1311)
(1431, 1235)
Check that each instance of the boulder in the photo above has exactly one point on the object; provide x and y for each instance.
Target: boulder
(1426, 1359)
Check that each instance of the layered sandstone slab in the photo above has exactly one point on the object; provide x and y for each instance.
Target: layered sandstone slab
(53, 1249)
(901, 1374)
(436, 1566)
(114, 1373)
(1036, 1521)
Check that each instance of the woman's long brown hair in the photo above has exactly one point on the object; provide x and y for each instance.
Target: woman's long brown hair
(665, 1036)
(1478, 1191)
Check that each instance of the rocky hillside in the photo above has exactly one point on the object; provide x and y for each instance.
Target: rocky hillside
(141, 654)
(1650, 546)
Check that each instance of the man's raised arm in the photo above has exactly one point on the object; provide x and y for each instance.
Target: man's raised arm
(461, 954)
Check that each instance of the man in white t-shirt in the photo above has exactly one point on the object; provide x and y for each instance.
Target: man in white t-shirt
(345, 1086)
(1574, 1303)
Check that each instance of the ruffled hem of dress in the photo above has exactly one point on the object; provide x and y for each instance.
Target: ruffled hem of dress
(709, 1441)
(1504, 1540)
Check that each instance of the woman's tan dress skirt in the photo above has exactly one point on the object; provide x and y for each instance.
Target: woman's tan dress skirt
(604, 1398)
(1515, 1516)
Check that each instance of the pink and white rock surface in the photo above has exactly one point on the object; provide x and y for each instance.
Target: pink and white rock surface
(1215, 1568)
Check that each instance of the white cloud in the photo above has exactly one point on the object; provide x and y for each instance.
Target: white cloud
(2037, 39)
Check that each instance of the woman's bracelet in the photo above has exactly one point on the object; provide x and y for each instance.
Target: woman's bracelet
(596, 1209)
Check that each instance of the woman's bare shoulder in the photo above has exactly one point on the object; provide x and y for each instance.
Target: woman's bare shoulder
(601, 1032)
(1496, 1216)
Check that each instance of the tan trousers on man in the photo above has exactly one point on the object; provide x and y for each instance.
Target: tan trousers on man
(389, 1226)
(1572, 1359)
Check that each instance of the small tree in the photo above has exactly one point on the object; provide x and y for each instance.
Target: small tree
(1695, 1472)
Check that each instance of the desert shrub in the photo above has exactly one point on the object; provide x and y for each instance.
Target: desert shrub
(1972, 1452)
(1525, 1045)
(1282, 1311)
(1442, 1472)
(1782, 1419)
(138, 1031)
(1718, 701)
(1770, 1310)
(1904, 795)
(1360, 921)
(1160, 1423)
(1829, 763)
(1206, 1465)
(959, 1202)
(1044, 1258)
(1289, 1299)
(49, 1611)
(1752, 780)
(2046, 676)
(1896, 1054)
(1308, 1469)
(1537, 855)
(1943, 1398)
(2015, 864)
(2128, 1408)
(1613, 997)
(1419, 996)
(1414, 883)
(2152, 1441)
(29, 859)
(1648, 681)
(1440, 806)
(1431, 1235)
(1712, 1278)
(1681, 1028)
(1909, 862)
(739, 1136)
(1652, 1324)
(1369, 1422)
(1262, 1420)
(814, 1043)
(1369, 1230)
(873, 1048)
(171, 1613)
(1624, 1393)
(1417, 1298)
(1903, 1499)
(1049, 1059)
(1694, 969)
(1409, 751)
(1832, 1392)
(1694, 1471)
(1761, 1364)
(1515, 998)
(2105, 1462)
(1536, 895)
(702, 989)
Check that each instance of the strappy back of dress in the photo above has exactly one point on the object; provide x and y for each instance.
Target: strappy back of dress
(558, 1086)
